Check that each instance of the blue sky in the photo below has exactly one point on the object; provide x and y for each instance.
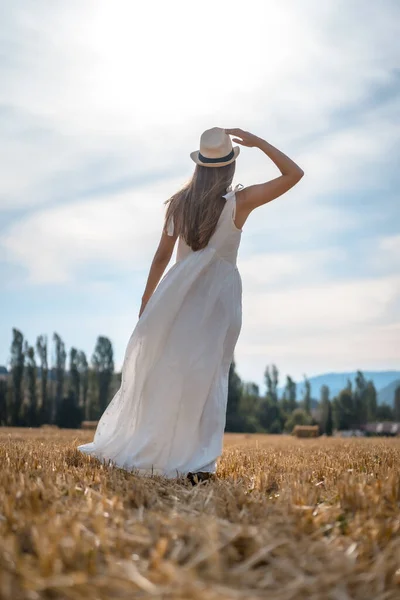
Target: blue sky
(101, 104)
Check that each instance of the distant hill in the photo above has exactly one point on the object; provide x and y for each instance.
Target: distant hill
(337, 381)
(386, 394)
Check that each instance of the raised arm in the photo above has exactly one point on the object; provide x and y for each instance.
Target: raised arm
(256, 195)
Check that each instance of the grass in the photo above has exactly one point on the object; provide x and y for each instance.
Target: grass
(286, 519)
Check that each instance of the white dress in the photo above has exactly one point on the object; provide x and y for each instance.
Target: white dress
(168, 416)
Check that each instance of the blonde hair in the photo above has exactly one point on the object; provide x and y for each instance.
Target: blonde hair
(196, 208)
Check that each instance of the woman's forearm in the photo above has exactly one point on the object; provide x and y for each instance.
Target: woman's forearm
(285, 164)
(158, 266)
(157, 269)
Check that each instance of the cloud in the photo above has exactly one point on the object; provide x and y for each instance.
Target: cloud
(374, 347)
(120, 231)
(121, 90)
(319, 328)
(122, 228)
(388, 253)
(100, 106)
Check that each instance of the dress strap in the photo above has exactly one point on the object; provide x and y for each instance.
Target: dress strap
(231, 194)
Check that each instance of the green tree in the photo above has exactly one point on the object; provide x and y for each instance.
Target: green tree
(248, 408)
(288, 401)
(83, 367)
(360, 399)
(69, 414)
(41, 348)
(344, 415)
(325, 410)
(3, 401)
(396, 411)
(103, 367)
(270, 415)
(307, 395)
(60, 358)
(233, 417)
(271, 381)
(384, 412)
(74, 375)
(371, 402)
(17, 375)
(298, 417)
(31, 414)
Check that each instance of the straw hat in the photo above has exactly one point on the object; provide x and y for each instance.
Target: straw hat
(215, 149)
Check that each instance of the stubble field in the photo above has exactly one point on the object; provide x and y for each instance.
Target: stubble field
(286, 519)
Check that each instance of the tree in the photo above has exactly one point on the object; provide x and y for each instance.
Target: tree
(248, 408)
(325, 393)
(17, 374)
(271, 381)
(60, 358)
(3, 401)
(397, 405)
(74, 375)
(344, 416)
(83, 368)
(103, 367)
(269, 412)
(270, 415)
(233, 419)
(326, 421)
(329, 419)
(384, 412)
(298, 417)
(360, 399)
(69, 414)
(289, 396)
(307, 395)
(371, 402)
(31, 415)
(41, 348)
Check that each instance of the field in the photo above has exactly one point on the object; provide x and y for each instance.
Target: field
(286, 519)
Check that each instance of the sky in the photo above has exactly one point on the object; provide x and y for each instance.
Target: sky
(101, 104)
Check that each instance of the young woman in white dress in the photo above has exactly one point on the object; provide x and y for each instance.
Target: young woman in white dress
(168, 416)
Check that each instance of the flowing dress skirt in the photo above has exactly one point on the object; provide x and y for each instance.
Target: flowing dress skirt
(168, 416)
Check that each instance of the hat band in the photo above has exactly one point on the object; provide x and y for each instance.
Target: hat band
(204, 159)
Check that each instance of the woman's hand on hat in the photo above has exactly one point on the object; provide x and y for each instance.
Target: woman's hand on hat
(244, 138)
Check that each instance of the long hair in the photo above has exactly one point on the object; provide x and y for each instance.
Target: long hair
(196, 208)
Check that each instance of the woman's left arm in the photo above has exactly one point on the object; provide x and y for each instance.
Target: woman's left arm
(160, 261)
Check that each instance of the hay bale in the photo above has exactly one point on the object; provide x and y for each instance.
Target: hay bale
(306, 431)
(89, 424)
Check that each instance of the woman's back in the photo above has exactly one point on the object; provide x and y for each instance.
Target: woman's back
(225, 240)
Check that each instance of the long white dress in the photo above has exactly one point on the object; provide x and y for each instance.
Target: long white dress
(168, 416)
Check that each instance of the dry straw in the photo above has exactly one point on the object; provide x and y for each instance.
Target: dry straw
(286, 519)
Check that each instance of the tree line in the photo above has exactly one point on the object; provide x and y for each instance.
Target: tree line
(355, 405)
(64, 393)
(67, 388)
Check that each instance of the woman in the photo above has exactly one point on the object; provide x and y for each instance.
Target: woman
(168, 417)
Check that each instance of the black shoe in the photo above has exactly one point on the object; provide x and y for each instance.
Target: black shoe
(200, 477)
